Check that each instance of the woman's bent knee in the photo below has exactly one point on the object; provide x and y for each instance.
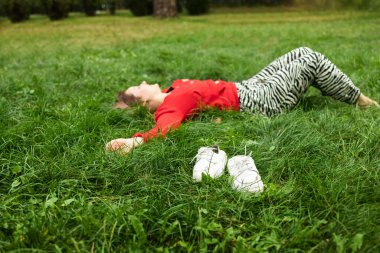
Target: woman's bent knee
(306, 49)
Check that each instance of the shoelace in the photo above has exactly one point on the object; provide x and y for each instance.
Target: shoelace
(246, 164)
(206, 154)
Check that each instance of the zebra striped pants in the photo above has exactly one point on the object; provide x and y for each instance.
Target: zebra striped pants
(280, 85)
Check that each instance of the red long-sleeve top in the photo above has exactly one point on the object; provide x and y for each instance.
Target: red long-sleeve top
(187, 97)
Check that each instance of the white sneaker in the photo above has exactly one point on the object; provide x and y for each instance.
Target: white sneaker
(211, 161)
(245, 175)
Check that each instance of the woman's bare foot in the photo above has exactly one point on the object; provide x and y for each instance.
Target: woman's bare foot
(365, 102)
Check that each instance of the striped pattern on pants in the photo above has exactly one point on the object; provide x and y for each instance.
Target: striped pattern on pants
(279, 86)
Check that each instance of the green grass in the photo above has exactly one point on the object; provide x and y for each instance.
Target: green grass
(59, 191)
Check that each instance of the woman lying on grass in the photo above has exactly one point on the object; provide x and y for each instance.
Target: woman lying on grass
(275, 89)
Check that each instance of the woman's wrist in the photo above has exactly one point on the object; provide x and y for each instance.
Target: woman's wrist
(137, 141)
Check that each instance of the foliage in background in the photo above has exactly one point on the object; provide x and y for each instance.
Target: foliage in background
(37, 7)
(57, 9)
(197, 7)
(17, 10)
(76, 6)
(90, 7)
(140, 7)
(180, 5)
(145, 7)
(111, 6)
(2, 8)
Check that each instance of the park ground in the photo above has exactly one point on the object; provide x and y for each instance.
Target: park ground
(59, 190)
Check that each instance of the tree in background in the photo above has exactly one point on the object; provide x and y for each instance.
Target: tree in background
(197, 7)
(2, 10)
(140, 7)
(111, 5)
(36, 7)
(56, 9)
(90, 7)
(76, 6)
(17, 10)
(165, 8)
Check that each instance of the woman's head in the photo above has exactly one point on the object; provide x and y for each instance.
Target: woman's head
(144, 94)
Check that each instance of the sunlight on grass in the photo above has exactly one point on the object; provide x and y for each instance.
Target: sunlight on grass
(79, 31)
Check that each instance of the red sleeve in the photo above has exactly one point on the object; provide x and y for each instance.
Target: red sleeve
(173, 111)
(166, 122)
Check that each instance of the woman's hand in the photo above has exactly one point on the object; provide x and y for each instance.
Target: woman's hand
(124, 146)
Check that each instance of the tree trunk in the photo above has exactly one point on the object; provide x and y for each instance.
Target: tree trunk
(165, 8)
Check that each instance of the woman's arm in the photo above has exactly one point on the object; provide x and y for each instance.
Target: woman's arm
(168, 117)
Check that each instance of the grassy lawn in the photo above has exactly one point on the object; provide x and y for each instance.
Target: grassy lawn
(59, 191)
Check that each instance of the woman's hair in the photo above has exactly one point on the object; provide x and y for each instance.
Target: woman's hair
(125, 100)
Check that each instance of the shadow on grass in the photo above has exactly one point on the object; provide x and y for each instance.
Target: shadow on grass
(318, 102)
